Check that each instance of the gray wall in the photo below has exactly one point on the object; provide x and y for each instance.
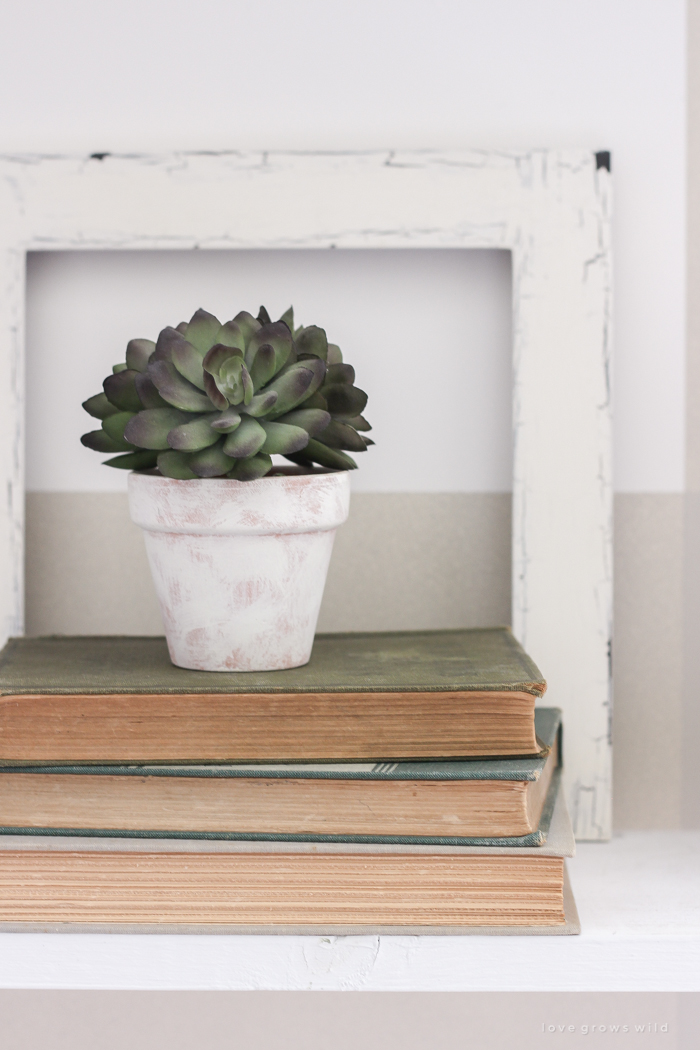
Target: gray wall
(412, 561)
(400, 562)
(691, 590)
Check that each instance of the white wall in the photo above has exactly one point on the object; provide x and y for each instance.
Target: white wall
(428, 333)
(213, 74)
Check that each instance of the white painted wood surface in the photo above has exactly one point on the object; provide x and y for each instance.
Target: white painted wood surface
(550, 208)
(637, 897)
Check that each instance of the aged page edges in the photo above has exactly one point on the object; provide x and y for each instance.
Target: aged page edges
(526, 767)
(559, 841)
(539, 838)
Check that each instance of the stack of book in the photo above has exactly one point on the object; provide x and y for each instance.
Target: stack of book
(398, 782)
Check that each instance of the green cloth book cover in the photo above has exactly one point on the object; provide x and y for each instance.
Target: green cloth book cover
(479, 659)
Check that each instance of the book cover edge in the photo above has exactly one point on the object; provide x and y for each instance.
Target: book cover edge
(533, 683)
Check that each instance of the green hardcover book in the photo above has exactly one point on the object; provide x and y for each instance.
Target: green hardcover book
(367, 696)
(470, 802)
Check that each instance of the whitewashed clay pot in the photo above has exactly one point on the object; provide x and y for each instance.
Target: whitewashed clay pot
(239, 567)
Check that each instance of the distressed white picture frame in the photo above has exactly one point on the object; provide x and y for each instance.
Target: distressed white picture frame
(550, 208)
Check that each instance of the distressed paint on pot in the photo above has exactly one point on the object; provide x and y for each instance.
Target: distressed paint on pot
(239, 567)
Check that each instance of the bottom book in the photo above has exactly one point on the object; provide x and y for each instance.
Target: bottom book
(72, 884)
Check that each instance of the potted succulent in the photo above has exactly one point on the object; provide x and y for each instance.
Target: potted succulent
(238, 547)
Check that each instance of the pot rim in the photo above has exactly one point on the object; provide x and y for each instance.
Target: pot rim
(275, 474)
(297, 502)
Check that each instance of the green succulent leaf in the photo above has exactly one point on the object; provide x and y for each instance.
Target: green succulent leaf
(248, 388)
(167, 338)
(148, 395)
(99, 407)
(210, 462)
(202, 330)
(142, 460)
(288, 318)
(345, 400)
(191, 437)
(218, 356)
(99, 441)
(263, 366)
(334, 355)
(313, 420)
(227, 421)
(231, 334)
(188, 362)
(247, 324)
(246, 440)
(252, 468)
(118, 368)
(176, 465)
(328, 457)
(213, 393)
(312, 340)
(181, 327)
(231, 372)
(261, 404)
(301, 459)
(282, 438)
(358, 422)
(114, 426)
(302, 380)
(339, 374)
(138, 352)
(150, 428)
(234, 381)
(263, 316)
(340, 435)
(120, 389)
(316, 400)
(175, 389)
(277, 336)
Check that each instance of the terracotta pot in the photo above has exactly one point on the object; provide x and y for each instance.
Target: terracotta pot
(239, 567)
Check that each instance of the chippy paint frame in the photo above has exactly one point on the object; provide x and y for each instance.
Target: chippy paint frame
(551, 208)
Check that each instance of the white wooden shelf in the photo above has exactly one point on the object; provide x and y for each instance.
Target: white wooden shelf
(638, 898)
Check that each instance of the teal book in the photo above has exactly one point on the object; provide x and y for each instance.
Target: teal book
(506, 801)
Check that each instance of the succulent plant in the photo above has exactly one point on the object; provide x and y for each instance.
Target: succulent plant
(218, 400)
